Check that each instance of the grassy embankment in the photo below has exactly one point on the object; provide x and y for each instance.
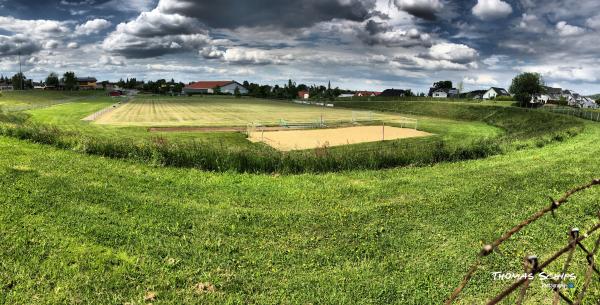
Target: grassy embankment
(84, 229)
(463, 132)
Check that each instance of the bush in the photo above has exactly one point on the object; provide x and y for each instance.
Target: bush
(505, 99)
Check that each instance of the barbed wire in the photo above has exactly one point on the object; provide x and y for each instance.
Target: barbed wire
(489, 248)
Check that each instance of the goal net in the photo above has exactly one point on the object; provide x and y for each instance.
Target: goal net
(253, 128)
(362, 116)
(405, 122)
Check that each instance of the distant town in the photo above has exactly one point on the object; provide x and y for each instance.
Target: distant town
(439, 90)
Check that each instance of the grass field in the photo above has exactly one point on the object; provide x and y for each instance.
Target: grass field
(78, 228)
(207, 111)
(84, 229)
(23, 100)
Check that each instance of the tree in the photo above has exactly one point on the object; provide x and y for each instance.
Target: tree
(18, 81)
(237, 92)
(52, 80)
(70, 80)
(526, 85)
(445, 84)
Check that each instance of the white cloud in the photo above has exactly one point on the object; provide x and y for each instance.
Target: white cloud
(247, 56)
(92, 27)
(566, 72)
(565, 29)
(593, 22)
(111, 61)
(211, 52)
(491, 9)
(481, 80)
(531, 23)
(458, 53)
(154, 33)
(51, 44)
(73, 45)
(34, 28)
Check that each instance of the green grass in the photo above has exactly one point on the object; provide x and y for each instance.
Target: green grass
(78, 228)
(83, 229)
(23, 100)
(462, 131)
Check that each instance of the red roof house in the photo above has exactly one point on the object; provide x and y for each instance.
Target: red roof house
(203, 87)
(303, 94)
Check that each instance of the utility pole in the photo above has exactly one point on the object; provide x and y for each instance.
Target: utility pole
(21, 73)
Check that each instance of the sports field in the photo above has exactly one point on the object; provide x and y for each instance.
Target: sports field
(306, 139)
(204, 111)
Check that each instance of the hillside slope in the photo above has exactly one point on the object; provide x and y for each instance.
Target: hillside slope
(79, 228)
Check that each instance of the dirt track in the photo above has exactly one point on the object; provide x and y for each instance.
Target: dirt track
(306, 139)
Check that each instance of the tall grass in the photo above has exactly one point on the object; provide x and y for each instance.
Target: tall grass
(523, 129)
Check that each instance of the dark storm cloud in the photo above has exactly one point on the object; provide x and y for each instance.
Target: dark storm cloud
(424, 9)
(18, 44)
(232, 14)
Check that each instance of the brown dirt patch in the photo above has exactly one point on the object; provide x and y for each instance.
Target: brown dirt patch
(289, 140)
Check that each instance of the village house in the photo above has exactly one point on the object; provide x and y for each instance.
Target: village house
(303, 95)
(210, 87)
(495, 92)
(366, 93)
(87, 83)
(475, 94)
(556, 95)
(393, 93)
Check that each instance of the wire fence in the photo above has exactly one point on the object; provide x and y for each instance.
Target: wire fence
(532, 264)
(592, 115)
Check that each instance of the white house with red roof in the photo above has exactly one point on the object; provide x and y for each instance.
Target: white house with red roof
(210, 87)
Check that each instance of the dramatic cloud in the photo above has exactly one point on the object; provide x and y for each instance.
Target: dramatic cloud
(491, 9)
(92, 27)
(361, 44)
(35, 28)
(565, 29)
(154, 34)
(18, 44)
(381, 33)
(426, 9)
(244, 56)
(457, 53)
(233, 14)
(480, 80)
(565, 72)
(593, 22)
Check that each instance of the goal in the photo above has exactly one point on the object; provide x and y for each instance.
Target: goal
(408, 123)
(362, 116)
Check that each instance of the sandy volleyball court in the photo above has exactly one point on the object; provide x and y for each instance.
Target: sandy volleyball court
(306, 139)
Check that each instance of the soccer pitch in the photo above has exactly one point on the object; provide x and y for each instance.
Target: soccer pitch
(217, 111)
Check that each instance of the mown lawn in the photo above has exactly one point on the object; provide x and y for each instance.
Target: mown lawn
(84, 229)
(68, 117)
(22, 100)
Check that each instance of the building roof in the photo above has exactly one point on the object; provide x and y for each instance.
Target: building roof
(87, 79)
(209, 84)
(393, 92)
(551, 90)
(500, 91)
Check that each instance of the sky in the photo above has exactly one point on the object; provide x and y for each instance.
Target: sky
(355, 44)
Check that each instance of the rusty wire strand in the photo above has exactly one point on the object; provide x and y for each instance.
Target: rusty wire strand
(506, 292)
(588, 274)
(488, 249)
